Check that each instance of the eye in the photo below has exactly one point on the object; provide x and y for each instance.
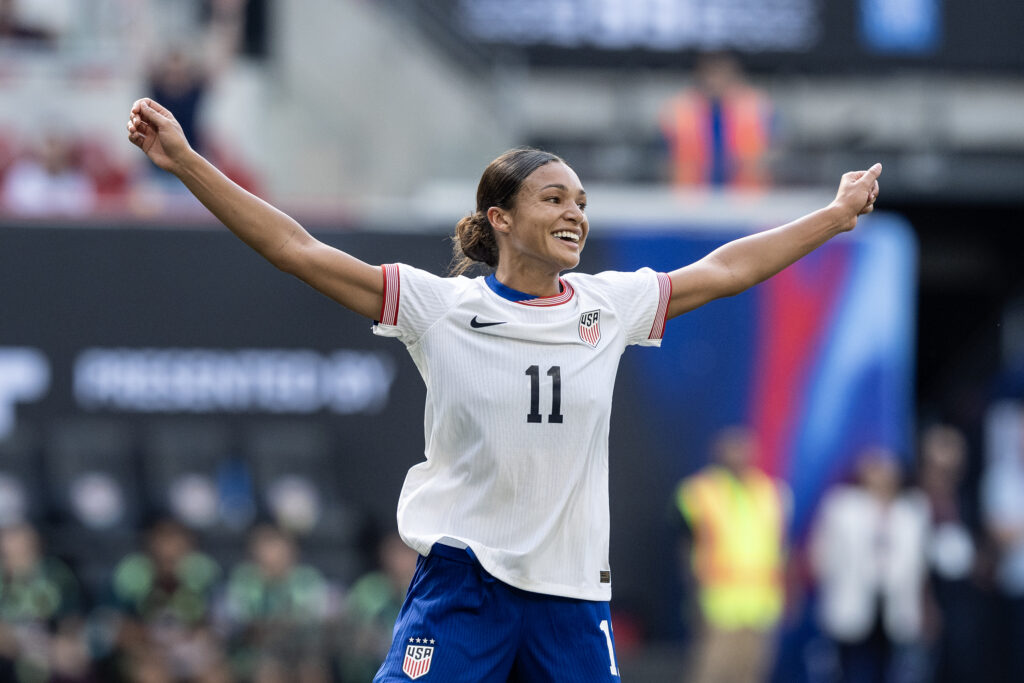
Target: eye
(582, 205)
(556, 200)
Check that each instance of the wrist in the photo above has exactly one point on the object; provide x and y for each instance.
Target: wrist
(185, 163)
(839, 218)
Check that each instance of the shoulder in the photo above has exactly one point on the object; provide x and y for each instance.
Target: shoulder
(614, 281)
(406, 286)
(844, 496)
(707, 476)
(245, 577)
(915, 502)
(200, 569)
(417, 277)
(612, 276)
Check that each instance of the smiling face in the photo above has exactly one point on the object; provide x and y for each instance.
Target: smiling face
(545, 230)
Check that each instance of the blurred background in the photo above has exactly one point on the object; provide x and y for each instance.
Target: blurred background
(200, 458)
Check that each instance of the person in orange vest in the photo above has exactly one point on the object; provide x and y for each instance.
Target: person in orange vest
(736, 516)
(720, 131)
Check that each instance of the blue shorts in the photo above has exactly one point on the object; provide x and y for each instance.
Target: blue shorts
(459, 623)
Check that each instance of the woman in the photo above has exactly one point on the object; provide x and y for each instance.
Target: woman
(868, 552)
(509, 512)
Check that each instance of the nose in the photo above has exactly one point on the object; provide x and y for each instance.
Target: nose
(575, 214)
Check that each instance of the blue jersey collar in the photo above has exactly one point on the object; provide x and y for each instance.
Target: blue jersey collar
(506, 292)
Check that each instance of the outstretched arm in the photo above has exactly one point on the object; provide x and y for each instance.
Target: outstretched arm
(739, 265)
(276, 236)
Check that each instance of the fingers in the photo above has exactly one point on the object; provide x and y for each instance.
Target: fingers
(153, 104)
(150, 111)
(136, 136)
(151, 115)
(864, 177)
(157, 107)
(866, 181)
(138, 130)
(135, 124)
(136, 127)
(871, 175)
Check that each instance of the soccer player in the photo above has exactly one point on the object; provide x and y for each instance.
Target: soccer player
(509, 510)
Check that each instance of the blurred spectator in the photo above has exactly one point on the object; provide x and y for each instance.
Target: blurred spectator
(50, 182)
(171, 581)
(736, 515)
(108, 176)
(180, 77)
(952, 556)
(371, 608)
(1002, 502)
(720, 131)
(186, 61)
(165, 594)
(41, 632)
(14, 26)
(868, 555)
(178, 81)
(277, 609)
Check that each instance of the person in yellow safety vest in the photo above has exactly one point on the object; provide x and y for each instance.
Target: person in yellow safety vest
(719, 132)
(736, 517)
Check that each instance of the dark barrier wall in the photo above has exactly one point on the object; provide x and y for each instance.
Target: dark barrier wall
(150, 332)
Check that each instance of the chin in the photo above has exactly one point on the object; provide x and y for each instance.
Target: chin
(570, 265)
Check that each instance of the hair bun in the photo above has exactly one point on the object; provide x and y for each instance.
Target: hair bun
(474, 236)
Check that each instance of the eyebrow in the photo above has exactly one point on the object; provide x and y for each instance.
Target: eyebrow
(559, 186)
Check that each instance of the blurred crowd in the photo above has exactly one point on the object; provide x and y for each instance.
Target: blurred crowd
(172, 557)
(62, 171)
(911, 572)
(717, 132)
(171, 612)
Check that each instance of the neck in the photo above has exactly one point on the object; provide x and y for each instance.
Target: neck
(528, 281)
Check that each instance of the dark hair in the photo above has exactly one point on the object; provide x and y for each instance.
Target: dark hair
(474, 240)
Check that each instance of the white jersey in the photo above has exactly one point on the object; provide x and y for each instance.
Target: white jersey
(518, 405)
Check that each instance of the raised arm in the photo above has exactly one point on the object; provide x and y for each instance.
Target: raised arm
(276, 236)
(739, 265)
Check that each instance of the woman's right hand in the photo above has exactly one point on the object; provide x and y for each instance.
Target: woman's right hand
(153, 129)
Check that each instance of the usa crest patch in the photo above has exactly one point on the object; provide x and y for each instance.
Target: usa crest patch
(590, 327)
(417, 659)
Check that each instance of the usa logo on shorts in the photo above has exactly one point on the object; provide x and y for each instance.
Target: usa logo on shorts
(417, 658)
(590, 327)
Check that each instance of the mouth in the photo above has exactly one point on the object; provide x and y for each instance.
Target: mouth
(567, 236)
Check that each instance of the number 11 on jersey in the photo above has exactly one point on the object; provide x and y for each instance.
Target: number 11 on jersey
(555, 373)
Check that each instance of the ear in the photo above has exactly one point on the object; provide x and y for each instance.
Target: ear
(501, 220)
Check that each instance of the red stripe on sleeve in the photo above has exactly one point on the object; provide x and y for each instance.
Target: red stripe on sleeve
(664, 295)
(392, 287)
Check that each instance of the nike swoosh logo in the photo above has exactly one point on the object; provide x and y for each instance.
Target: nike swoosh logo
(477, 324)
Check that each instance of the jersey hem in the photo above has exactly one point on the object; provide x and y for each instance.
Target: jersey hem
(521, 583)
(384, 330)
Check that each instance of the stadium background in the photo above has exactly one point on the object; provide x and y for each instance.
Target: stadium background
(370, 122)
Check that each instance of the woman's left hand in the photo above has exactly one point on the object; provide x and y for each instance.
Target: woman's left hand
(858, 191)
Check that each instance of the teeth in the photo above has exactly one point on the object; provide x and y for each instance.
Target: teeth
(568, 234)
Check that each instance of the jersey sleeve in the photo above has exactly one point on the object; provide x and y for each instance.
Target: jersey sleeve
(641, 302)
(413, 301)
